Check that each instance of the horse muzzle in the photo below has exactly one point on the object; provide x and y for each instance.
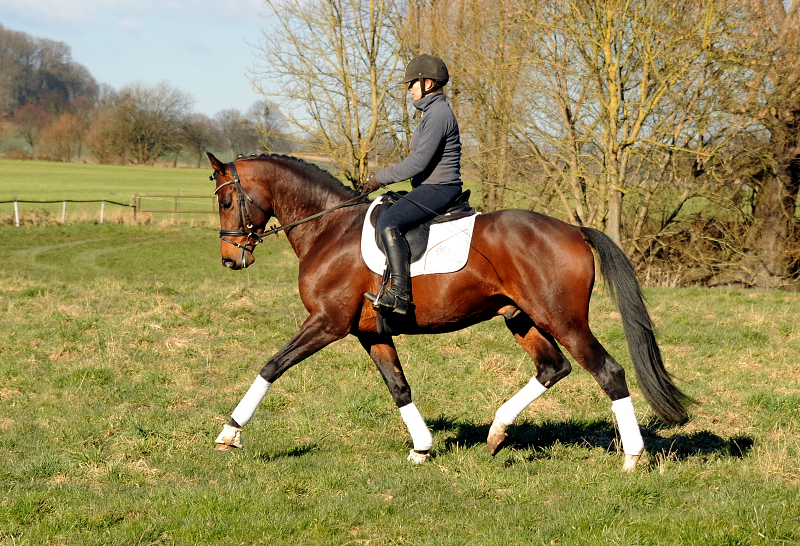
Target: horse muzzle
(235, 264)
(238, 258)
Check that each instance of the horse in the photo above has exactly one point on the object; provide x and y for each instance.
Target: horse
(535, 271)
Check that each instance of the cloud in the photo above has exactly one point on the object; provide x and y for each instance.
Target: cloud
(130, 23)
(53, 11)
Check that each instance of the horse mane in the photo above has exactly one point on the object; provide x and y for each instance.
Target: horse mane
(310, 171)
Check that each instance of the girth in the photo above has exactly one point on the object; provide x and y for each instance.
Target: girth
(418, 237)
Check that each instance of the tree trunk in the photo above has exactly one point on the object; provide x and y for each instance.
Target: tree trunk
(614, 223)
(766, 261)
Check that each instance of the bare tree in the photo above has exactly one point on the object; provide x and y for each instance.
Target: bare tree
(62, 140)
(269, 126)
(138, 124)
(30, 121)
(198, 135)
(764, 55)
(106, 139)
(333, 63)
(240, 137)
(149, 118)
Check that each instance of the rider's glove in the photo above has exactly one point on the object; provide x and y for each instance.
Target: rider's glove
(370, 185)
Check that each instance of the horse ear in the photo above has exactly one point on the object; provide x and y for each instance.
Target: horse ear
(216, 163)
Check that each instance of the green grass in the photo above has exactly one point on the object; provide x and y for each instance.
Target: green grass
(36, 180)
(50, 181)
(123, 350)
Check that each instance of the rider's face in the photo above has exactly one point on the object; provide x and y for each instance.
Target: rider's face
(416, 89)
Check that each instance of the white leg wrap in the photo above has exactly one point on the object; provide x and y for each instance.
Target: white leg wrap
(420, 434)
(247, 407)
(509, 411)
(632, 443)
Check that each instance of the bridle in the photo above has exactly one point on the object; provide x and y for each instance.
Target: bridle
(253, 237)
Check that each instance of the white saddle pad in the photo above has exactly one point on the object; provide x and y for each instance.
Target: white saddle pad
(448, 246)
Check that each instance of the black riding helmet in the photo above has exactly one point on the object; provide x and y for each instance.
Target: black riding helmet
(427, 67)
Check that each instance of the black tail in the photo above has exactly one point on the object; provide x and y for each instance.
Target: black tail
(664, 397)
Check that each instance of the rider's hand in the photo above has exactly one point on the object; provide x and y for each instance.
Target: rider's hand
(370, 185)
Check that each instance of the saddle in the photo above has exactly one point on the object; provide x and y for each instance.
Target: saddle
(418, 237)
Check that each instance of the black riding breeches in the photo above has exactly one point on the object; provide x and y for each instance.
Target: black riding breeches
(418, 206)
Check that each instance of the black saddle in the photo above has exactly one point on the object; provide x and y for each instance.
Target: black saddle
(418, 237)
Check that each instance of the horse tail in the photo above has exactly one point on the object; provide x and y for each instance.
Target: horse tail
(657, 386)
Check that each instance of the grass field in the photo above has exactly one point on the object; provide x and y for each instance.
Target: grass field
(47, 181)
(124, 348)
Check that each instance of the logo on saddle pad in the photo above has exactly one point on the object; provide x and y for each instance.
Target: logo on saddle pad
(447, 249)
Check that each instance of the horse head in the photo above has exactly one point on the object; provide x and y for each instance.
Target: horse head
(245, 207)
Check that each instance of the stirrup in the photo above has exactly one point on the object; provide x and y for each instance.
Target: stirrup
(393, 302)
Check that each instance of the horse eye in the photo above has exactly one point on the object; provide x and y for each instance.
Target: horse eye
(226, 205)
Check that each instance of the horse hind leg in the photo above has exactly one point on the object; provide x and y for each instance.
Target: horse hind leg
(551, 365)
(611, 378)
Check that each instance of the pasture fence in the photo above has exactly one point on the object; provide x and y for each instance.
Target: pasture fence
(157, 203)
(141, 205)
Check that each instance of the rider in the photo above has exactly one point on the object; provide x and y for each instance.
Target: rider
(434, 167)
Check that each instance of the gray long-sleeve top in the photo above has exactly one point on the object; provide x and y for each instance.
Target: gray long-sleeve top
(435, 156)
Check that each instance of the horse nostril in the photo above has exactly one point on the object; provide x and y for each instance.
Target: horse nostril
(227, 262)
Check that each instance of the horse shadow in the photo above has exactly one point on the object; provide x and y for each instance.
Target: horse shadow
(292, 452)
(540, 437)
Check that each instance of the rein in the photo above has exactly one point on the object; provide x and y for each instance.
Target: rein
(253, 237)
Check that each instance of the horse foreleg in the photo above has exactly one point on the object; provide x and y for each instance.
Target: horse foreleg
(312, 336)
(382, 351)
(551, 365)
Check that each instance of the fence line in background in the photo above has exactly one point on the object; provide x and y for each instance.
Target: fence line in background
(63, 206)
(175, 200)
(136, 204)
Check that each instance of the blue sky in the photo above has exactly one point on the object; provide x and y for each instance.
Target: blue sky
(202, 47)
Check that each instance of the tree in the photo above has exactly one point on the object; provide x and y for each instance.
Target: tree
(148, 120)
(106, 139)
(39, 71)
(242, 139)
(269, 126)
(62, 140)
(199, 135)
(334, 62)
(764, 53)
(620, 87)
(30, 120)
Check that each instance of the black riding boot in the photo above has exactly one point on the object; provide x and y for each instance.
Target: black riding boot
(398, 297)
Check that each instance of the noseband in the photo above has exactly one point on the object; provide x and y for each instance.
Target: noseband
(253, 238)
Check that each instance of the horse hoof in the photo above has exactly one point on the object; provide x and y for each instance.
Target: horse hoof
(630, 463)
(497, 437)
(229, 438)
(417, 457)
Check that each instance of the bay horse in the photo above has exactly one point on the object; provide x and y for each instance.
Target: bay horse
(535, 271)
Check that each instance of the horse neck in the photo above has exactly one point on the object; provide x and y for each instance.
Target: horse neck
(296, 196)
